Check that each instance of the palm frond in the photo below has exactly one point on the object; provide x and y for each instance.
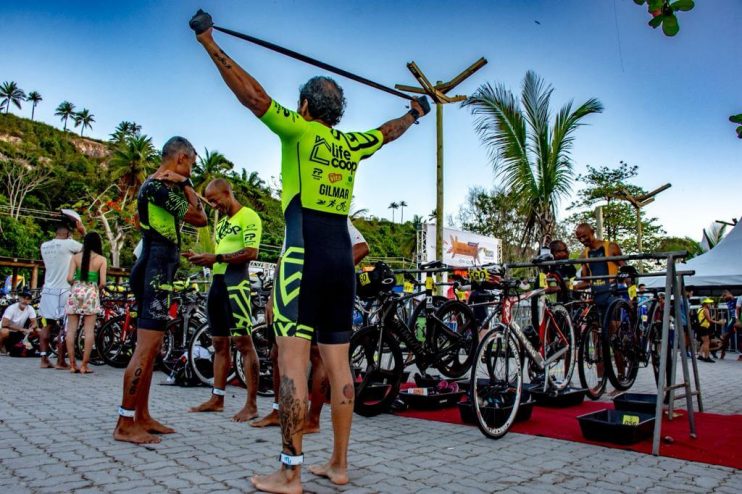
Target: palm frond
(502, 128)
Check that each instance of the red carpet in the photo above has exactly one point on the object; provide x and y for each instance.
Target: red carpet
(719, 439)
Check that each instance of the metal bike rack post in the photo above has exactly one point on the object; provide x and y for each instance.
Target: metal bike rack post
(673, 289)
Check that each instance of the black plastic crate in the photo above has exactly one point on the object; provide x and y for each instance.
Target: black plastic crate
(430, 401)
(375, 392)
(496, 415)
(636, 402)
(568, 397)
(616, 426)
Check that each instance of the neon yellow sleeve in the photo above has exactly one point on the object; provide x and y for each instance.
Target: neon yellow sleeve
(285, 123)
(252, 230)
(365, 143)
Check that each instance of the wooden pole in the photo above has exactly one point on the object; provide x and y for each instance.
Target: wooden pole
(439, 182)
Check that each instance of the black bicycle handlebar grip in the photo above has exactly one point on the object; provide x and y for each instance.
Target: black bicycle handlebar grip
(424, 104)
(201, 22)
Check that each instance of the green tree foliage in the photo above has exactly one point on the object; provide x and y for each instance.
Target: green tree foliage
(530, 154)
(669, 244)
(602, 187)
(497, 214)
(737, 119)
(35, 98)
(211, 165)
(132, 161)
(663, 13)
(21, 237)
(83, 119)
(124, 131)
(64, 111)
(10, 93)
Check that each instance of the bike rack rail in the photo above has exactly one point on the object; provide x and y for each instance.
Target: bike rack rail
(674, 289)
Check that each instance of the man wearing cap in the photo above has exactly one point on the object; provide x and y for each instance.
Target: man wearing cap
(15, 319)
(56, 254)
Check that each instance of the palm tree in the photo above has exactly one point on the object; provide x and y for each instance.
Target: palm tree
(83, 119)
(125, 130)
(65, 110)
(393, 206)
(34, 97)
(531, 157)
(402, 205)
(11, 93)
(713, 236)
(211, 165)
(132, 161)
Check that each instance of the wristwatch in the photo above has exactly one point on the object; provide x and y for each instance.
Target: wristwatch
(415, 114)
(219, 258)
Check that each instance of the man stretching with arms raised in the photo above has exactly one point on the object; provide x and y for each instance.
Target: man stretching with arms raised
(314, 290)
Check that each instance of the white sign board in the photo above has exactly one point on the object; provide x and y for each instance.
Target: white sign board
(462, 248)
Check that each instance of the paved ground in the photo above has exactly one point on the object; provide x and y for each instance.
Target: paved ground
(55, 435)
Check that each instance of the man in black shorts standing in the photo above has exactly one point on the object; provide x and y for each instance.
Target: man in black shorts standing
(166, 199)
(314, 291)
(228, 306)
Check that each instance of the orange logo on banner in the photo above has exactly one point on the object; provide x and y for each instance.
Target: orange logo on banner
(334, 177)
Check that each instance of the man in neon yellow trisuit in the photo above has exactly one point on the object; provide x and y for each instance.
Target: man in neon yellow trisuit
(228, 307)
(314, 289)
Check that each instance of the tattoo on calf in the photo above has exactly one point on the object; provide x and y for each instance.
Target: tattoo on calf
(135, 382)
(291, 412)
(349, 392)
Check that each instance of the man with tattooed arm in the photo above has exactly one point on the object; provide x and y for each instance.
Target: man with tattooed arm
(314, 289)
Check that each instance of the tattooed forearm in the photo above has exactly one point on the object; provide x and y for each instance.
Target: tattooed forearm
(219, 56)
(241, 256)
(393, 129)
(291, 412)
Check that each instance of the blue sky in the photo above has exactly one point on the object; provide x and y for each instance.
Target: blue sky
(666, 100)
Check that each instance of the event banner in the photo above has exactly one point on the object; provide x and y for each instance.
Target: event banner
(461, 248)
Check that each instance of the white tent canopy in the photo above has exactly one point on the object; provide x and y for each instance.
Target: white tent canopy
(720, 267)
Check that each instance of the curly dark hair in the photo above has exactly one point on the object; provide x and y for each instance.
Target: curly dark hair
(325, 98)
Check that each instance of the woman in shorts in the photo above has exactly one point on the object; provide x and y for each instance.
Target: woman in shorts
(87, 274)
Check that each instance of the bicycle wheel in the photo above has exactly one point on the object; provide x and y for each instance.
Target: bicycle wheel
(376, 364)
(95, 356)
(263, 348)
(201, 356)
(590, 361)
(621, 344)
(559, 335)
(496, 383)
(116, 341)
(454, 338)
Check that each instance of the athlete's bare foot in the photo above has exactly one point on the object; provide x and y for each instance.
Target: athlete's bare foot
(282, 482)
(155, 427)
(61, 365)
(84, 369)
(74, 369)
(131, 432)
(246, 414)
(311, 427)
(213, 404)
(45, 364)
(337, 475)
(269, 420)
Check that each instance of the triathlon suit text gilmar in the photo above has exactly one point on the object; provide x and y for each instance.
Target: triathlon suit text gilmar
(161, 210)
(316, 285)
(229, 307)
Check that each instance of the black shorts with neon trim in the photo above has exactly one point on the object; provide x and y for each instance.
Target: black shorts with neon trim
(155, 267)
(315, 289)
(228, 307)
